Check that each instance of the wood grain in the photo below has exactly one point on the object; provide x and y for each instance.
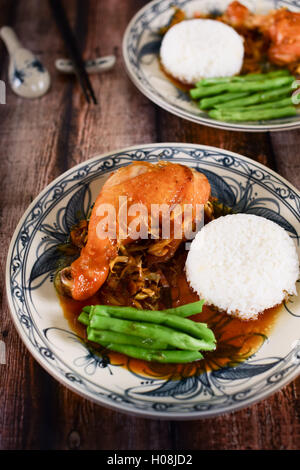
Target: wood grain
(42, 138)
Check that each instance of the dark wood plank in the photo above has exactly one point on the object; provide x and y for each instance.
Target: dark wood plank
(253, 145)
(39, 140)
(287, 157)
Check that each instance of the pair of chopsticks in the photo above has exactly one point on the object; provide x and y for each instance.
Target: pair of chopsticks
(71, 45)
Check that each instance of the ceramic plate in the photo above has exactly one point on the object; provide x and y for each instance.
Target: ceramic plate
(238, 182)
(141, 46)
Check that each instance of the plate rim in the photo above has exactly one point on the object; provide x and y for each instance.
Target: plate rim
(103, 401)
(185, 114)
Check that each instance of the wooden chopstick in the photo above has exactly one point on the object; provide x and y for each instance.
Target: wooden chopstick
(71, 45)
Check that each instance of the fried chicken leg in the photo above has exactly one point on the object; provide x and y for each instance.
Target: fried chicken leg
(140, 183)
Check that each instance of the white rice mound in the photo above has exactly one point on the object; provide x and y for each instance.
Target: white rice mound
(242, 264)
(195, 49)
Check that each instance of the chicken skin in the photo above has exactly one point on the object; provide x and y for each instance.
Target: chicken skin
(140, 183)
(281, 27)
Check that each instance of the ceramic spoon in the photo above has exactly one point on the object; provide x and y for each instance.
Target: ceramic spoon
(27, 76)
(91, 66)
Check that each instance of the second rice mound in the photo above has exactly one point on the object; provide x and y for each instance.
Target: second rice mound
(195, 49)
(243, 264)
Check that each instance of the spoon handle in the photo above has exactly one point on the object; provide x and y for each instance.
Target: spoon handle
(10, 39)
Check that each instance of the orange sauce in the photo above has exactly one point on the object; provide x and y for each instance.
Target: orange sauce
(236, 339)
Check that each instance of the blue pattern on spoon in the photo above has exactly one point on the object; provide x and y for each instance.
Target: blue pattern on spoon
(27, 75)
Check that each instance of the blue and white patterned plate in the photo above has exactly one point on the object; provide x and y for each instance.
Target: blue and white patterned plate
(141, 45)
(238, 182)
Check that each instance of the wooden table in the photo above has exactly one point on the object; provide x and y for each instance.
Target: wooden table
(42, 138)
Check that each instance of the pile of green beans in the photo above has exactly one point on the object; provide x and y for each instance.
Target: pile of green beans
(161, 336)
(251, 97)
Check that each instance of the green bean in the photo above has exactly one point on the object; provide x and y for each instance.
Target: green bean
(189, 310)
(147, 330)
(243, 78)
(84, 318)
(259, 85)
(257, 98)
(167, 356)
(160, 318)
(87, 308)
(269, 105)
(256, 115)
(186, 310)
(210, 102)
(183, 310)
(104, 336)
(146, 340)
